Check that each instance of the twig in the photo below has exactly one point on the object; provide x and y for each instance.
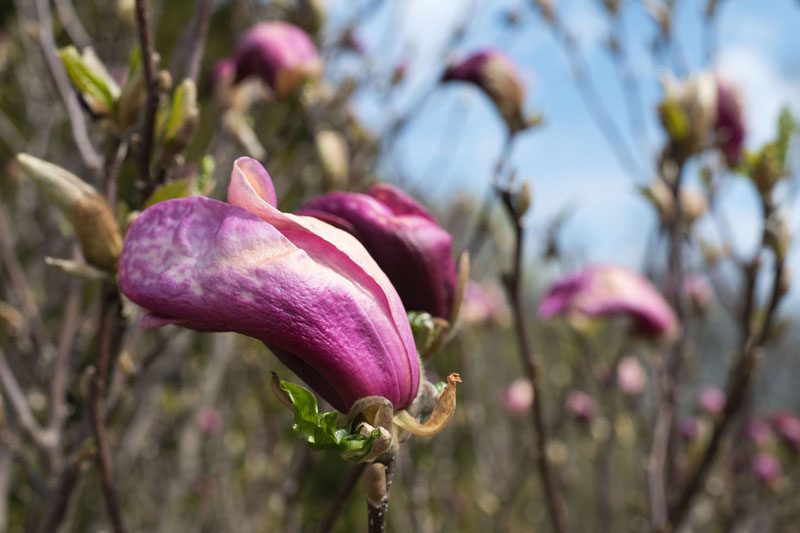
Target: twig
(199, 40)
(344, 491)
(90, 157)
(555, 506)
(71, 23)
(151, 82)
(20, 405)
(108, 316)
(377, 507)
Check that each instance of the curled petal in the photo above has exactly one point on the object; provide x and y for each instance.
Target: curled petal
(442, 413)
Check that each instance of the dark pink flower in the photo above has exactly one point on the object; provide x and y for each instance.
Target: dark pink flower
(279, 53)
(403, 237)
(729, 125)
(495, 74)
(209, 420)
(607, 290)
(581, 405)
(308, 290)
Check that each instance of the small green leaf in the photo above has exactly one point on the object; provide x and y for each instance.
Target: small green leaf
(319, 431)
(90, 78)
(182, 110)
(180, 188)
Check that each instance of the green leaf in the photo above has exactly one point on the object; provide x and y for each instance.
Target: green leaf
(183, 109)
(319, 430)
(90, 78)
(180, 188)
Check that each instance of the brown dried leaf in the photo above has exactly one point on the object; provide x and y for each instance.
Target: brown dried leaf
(442, 413)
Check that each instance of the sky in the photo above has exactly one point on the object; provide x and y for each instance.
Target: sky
(455, 140)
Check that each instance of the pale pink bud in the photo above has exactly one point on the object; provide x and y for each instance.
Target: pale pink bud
(581, 405)
(712, 400)
(519, 396)
(631, 376)
(210, 420)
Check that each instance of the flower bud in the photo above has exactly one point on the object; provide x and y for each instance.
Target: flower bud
(608, 290)
(766, 468)
(403, 237)
(221, 79)
(181, 122)
(519, 396)
(693, 203)
(91, 216)
(689, 109)
(758, 431)
(729, 124)
(495, 74)
(581, 405)
(279, 53)
(334, 156)
(712, 400)
(209, 420)
(631, 376)
(787, 426)
(97, 88)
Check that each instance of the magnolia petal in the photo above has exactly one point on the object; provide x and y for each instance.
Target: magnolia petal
(442, 413)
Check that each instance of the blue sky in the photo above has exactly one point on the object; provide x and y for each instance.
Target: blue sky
(455, 141)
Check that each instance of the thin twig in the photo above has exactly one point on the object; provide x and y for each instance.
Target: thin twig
(198, 40)
(151, 82)
(109, 310)
(555, 506)
(71, 23)
(344, 491)
(90, 157)
(20, 404)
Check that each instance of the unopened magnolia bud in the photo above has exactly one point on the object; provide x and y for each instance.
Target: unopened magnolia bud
(776, 234)
(182, 120)
(95, 226)
(522, 200)
(164, 81)
(333, 155)
(689, 109)
(88, 74)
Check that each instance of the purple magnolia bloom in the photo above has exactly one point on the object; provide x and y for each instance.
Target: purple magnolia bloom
(495, 74)
(729, 124)
(689, 427)
(279, 53)
(604, 290)
(308, 290)
(631, 377)
(788, 427)
(403, 237)
(581, 405)
(766, 468)
(712, 400)
(222, 74)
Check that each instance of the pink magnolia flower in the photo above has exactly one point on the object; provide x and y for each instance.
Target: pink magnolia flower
(519, 396)
(581, 405)
(631, 377)
(689, 427)
(222, 75)
(495, 74)
(607, 290)
(758, 431)
(788, 427)
(712, 400)
(403, 237)
(308, 290)
(279, 53)
(766, 468)
(484, 303)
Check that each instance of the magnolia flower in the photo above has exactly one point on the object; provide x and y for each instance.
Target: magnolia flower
(758, 431)
(403, 237)
(766, 468)
(729, 125)
(222, 75)
(607, 290)
(308, 290)
(631, 377)
(519, 396)
(689, 427)
(279, 53)
(788, 427)
(484, 303)
(495, 74)
(712, 400)
(581, 405)
(209, 420)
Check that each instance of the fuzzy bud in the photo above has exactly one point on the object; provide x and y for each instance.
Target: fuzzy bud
(334, 156)
(95, 226)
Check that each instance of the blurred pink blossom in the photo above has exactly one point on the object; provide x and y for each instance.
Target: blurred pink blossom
(631, 376)
(712, 400)
(788, 427)
(758, 431)
(699, 291)
(581, 405)
(484, 304)
(766, 468)
(689, 427)
(210, 420)
(519, 396)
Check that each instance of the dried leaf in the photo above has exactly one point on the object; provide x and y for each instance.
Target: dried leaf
(442, 413)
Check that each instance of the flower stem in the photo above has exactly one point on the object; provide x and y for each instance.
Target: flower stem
(377, 485)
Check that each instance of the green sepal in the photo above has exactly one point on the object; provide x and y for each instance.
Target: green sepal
(674, 120)
(91, 78)
(423, 327)
(319, 430)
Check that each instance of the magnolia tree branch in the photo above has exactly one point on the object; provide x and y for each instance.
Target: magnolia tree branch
(555, 505)
(90, 157)
(151, 82)
(198, 40)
